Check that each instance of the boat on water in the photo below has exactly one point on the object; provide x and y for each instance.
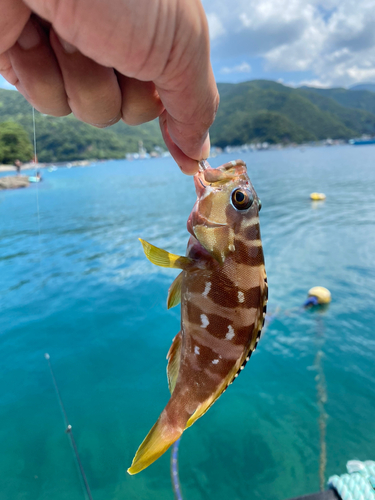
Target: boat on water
(361, 142)
(35, 178)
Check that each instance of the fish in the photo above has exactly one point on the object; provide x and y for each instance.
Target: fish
(223, 292)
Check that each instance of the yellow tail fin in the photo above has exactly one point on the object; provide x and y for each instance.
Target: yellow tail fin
(157, 441)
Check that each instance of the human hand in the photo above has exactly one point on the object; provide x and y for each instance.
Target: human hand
(106, 60)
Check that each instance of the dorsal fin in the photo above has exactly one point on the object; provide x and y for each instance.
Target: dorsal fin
(173, 358)
(174, 292)
(162, 258)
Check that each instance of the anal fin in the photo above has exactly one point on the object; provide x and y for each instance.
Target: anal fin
(173, 358)
(174, 292)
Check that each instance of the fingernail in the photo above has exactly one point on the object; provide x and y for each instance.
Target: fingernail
(29, 37)
(68, 47)
(206, 148)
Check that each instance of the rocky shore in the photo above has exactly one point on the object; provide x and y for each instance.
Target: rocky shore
(14, 182)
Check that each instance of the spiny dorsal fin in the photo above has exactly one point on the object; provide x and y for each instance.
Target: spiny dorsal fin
(174, 292)
(162, 258)
(173, 358)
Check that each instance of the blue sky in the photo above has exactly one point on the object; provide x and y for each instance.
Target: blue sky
(296, 42)
(4, 84)
(326, 44)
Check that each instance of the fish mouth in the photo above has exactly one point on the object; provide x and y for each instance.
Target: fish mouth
(200, 184)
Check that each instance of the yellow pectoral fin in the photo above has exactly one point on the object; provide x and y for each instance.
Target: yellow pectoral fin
(174, 292)
(163, 258)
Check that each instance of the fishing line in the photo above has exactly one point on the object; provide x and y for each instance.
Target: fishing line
(68, 430)
(68, 427)
(35, 166)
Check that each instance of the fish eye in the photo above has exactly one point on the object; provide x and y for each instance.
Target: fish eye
(242, 199)
(259, 205)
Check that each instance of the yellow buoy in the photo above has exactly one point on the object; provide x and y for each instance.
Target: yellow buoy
(317, 196)
(323, 295)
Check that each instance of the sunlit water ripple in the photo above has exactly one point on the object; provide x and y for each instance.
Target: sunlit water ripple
(81, 289)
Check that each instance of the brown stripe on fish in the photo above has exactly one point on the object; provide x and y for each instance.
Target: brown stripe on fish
(206, 360)
(227, 348)
(223, 291)
(251, 231)
(237, 314)
(246, 251)
(252, 297)
(225, 329)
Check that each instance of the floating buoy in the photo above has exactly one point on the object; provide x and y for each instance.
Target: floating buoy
(319, 295)
(317, 196)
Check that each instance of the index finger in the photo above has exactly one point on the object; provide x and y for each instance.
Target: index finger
(187, 87)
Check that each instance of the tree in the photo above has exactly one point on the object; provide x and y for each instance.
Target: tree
(14, 143)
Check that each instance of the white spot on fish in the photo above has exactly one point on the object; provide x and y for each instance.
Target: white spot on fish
(247, 359)
(231, 247)
(196, 350)
(242, 367)
(215, 361)
(230, 333)
(241, 297)
(207, 289)
(204, 320)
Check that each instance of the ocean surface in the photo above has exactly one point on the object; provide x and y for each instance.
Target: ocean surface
(74, 283)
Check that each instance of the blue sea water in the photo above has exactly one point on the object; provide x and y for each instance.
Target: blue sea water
(77, 285)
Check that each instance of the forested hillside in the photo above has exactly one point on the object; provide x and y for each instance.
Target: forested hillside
(293, 115)
(67, 139)
(255, 111)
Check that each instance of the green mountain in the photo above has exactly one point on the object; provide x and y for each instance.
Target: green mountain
(364, 86)
(254, 111)
(357, 99)
(307, 114)
(67, 139)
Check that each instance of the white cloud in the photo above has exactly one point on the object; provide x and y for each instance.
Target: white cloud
(215, 26)
(240, 68)
(334, 40)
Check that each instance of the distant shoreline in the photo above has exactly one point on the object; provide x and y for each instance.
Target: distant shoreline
(25, 166)
(39, 166)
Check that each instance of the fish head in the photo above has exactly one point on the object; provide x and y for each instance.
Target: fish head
(226, 204)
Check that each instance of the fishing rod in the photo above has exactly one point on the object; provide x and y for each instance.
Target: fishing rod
(68, 430)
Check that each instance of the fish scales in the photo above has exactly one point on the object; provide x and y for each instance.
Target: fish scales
(224, 292)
